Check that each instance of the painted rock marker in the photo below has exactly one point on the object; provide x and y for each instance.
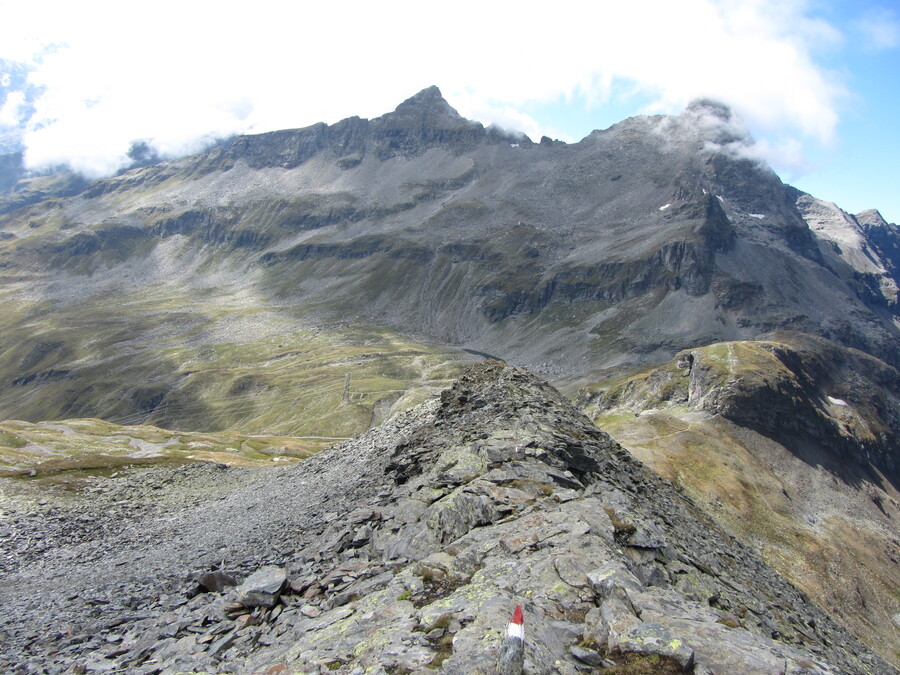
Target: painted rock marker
(512, 651)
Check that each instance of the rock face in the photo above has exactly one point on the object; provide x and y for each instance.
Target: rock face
(407, 549)
(861, 249)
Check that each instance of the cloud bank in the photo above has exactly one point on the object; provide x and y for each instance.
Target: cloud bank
(178, 75)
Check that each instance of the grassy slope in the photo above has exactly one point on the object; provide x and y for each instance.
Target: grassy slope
(47, 449)
(274, 400)
(147, 351)
(211, 364)
(834, 540)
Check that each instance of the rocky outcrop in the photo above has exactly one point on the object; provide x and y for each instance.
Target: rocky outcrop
(802, 391)
(863, 250)
(407, 549)
(884, 238)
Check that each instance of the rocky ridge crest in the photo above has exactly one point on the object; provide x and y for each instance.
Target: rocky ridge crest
(406, 549)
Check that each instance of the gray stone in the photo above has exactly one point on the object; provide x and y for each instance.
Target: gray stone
(619, 616)
(512, 657)
(612, 577)
(216, 581)
(648, 535)
(220, 646)
(310, 611)
(653, 638)
(595, 630)
(588, 656)
(262, 588)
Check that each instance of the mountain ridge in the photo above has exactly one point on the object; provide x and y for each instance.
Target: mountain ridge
(499, 492)
(663, 191)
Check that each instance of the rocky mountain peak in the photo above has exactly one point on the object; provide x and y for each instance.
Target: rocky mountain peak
(429, 101)
(884, 239)
(426, 113)
(871, 218)
(716, 121)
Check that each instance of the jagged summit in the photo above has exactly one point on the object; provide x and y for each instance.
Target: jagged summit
(717, 122)
(422, 121)
(429, 99)
(428, 109)
(871, 218)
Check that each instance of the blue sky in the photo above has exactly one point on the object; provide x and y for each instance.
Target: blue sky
(815, 80)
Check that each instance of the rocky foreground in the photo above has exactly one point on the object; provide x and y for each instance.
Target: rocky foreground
(403, 551)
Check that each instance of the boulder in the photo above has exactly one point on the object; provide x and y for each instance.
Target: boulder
(262, 588)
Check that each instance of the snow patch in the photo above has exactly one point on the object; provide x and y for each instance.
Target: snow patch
(756, 215)
(720, 198)
(837, 401)
(664, 207)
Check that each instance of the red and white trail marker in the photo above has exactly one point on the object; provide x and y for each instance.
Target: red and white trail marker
(516, 627)
(512, 651)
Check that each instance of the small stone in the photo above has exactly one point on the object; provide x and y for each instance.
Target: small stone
(216, 581)
(299, 585)
(222, 644)
(245, 620)
(588, 656)
(312, 591)
(310, 611)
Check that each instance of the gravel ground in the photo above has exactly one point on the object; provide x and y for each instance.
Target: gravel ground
(76, 561)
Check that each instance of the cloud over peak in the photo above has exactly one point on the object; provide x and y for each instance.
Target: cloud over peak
(184, 74)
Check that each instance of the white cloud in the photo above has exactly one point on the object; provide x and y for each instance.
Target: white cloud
(185, 72)
(786, 154)
(11, 110)
(506, 117)
(879, 28)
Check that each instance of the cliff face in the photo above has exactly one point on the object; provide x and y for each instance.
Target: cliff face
(406, 550)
